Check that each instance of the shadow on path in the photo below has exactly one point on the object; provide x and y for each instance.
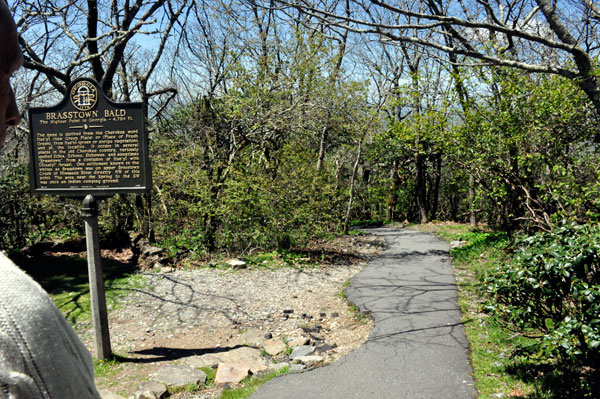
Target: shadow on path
(416, 350)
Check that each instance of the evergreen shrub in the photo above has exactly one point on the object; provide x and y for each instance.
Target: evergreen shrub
(551, 290)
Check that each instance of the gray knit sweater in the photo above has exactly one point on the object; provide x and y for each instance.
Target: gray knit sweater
(40, 354)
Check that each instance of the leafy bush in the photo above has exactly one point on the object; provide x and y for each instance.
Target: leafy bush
(13, 185)
(202, 208)
(26, 219)
(551, 289)
(529, 152)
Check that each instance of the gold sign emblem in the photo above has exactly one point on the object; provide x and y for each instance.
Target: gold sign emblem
(84, 95)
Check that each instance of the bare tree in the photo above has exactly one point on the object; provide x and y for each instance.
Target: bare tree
(409, 80)
(63, 40)
(543, 36)
(118, 43)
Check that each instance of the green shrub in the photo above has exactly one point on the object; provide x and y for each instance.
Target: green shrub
(551, 290)
(13, 186)
(26, 219)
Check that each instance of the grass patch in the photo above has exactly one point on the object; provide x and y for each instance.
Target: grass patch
(251, 384)
(65, 278)
(342, 293)
(191, 388)
(269, 260)
(275, 259)
(447, 231)
(108, 367)
(211, 374)
(360, 317)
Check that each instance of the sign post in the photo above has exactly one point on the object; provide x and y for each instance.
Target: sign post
(97, 294)
(89, 146)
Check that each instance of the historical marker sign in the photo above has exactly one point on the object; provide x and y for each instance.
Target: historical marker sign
(88, 144)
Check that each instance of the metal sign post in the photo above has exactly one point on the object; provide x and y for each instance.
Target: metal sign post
(97, 293)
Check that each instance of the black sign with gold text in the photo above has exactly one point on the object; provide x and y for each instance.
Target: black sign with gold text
(88, 144)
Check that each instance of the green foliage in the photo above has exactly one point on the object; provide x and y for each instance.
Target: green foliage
(551, 287)
(238, 170)
(26, 219)
(211, 374)
(359, 316)
(108, 367)
(187, 241)
(406, 146)
(528, 146)
(342, 293)
(249, 206)
(14, 209)
(524, 140)
(368, 223)
(250, 385)
(288, 348)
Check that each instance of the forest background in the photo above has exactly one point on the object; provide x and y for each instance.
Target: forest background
(273, 124)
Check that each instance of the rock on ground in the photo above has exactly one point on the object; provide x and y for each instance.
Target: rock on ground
(309, 361)
(275, 346)
(106, 394)
(151, 390)
(178, 376)
(299, 341)
(248, 357)
(252, 337)
(230, 374)
(304, 350)
(209, 360)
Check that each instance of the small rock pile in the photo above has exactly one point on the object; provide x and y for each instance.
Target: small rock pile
(151, 256)
(254, 353)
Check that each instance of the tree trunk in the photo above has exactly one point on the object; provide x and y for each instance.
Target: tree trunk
(436, 186)
(515, 202)
(420, 187)
(332, 80)
(144, 212)
(322, 144)
(352, 181)
(392, 200)
(472, 214)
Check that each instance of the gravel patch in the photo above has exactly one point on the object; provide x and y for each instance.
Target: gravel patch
(183, 313)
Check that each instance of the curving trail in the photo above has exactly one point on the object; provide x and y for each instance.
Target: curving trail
(417, 349)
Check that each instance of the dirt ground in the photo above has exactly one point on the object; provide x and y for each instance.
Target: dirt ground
(184, 312)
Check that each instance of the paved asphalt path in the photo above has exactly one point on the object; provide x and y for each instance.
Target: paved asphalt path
(416, 350)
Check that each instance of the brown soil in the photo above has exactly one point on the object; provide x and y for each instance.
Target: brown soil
(197, 310)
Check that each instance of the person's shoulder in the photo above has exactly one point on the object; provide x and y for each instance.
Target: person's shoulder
(37, 342)
(5, 262)
(19, 289)
(12, 274)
